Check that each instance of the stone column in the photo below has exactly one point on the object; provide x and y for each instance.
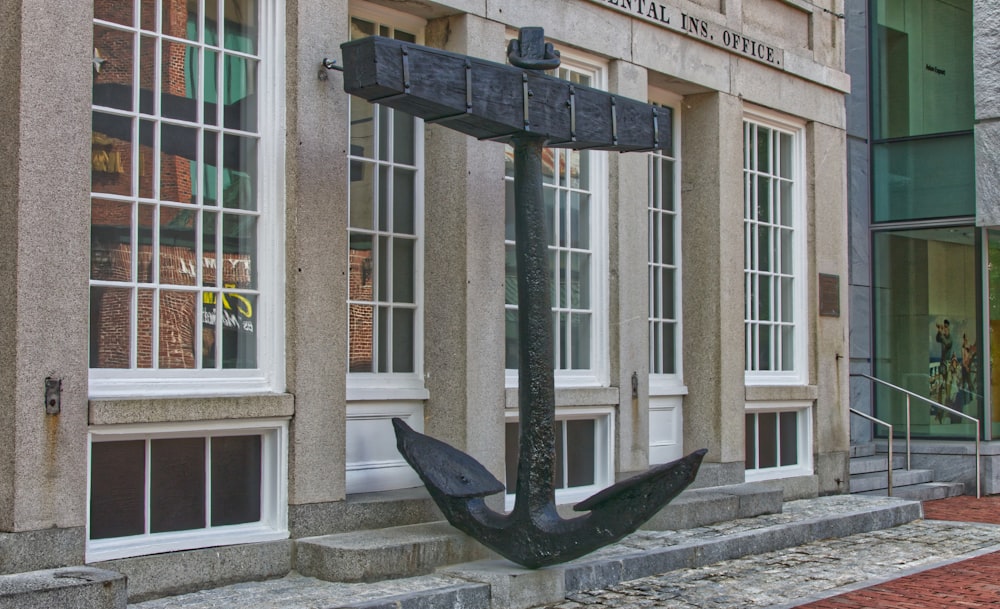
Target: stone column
(986, 79)
(827, 229)
(44, 270)
(628, 289)
(316, 287)
(464, 268)
(712, 222)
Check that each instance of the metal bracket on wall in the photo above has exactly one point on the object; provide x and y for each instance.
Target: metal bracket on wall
(53, 395)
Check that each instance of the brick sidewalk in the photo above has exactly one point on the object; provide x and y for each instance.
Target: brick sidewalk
(967, 584)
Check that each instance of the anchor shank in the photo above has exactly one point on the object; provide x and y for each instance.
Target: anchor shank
(536, 392)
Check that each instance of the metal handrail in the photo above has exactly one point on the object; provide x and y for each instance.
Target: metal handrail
(889, 425)
(909, 394)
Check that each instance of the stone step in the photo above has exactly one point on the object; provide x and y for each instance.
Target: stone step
(395, 552)
(499, 584)
(862, 450)
(927, 491)
(875, 463)
(879, 480)
(406, 551)
(64, 588)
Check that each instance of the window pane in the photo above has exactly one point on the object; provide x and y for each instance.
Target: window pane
(361, 330)
(402, 340)
(177, 484)
(362, 268)
(767, 433)
(111, 154)
(403, 201)
(402, 265)
(236, 479)
(750, 444)
(117, 489)
(176, 325)
(113, 78)
(111, 240)
(580, 451)
(362, 214)
(240, 175)
(511, 450)
(178, 260)
(789, 438)
(239, 238)
(241, 25)
(178, 166)
(239, 93)
(110, 311)
(239, 332)
(403, 138)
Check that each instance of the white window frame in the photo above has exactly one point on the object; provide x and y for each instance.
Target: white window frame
(804, 444)
(800, 341)
(604, 474)
(379, 386)
(598, 375)
(668, 383)
(273, 524)
(269, 375)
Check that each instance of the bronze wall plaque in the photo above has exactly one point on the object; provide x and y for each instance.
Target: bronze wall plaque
(829, 295)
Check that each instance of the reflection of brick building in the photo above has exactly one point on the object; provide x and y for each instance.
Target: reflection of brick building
(361, 317)
(176, 228)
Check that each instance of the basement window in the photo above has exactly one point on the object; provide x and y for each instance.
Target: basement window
(154, 489)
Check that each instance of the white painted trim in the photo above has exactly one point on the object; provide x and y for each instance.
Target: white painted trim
(273, 524)
(381, 468)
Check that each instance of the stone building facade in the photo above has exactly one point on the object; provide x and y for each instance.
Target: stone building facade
(239, 275)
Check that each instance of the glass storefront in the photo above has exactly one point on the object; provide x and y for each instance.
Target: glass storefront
(927, 327)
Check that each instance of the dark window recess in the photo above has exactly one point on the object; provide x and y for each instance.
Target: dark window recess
(177, 485)
(789, 439)
(767, 429)
(750, 435)
(117, 495)
(236, 479)
(580, 451)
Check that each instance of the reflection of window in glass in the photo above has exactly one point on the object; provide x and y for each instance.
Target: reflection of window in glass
(663, 232)
(772, 210)
(175, 212)
(384, 225)
(569, 196)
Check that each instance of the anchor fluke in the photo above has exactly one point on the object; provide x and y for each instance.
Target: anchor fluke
(443, 467)
(656, 486)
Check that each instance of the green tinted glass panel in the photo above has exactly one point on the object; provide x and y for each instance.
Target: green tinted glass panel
(922, 67)
(927, 178)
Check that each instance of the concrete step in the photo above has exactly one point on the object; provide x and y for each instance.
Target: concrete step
(406, 551)
(395, 552)
(64, 588)
(879, 480)
(501, 585)
(875, 463)
(862, 450)
(927, 491)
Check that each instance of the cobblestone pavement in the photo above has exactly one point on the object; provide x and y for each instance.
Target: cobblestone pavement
(899, 558)
(894, 568)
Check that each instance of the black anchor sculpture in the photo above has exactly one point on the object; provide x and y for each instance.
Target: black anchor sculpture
(522, 106)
